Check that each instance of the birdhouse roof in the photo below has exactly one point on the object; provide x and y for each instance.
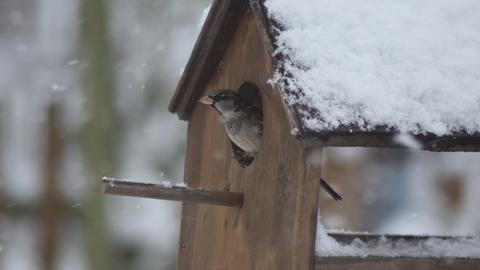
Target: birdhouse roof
(357, 73)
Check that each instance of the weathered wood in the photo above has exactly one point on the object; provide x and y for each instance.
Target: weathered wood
(275, 228)
(217, 31)
(384, 138)
(172, 193)
(382, 263)
(400, 262)
(347, 238)
(51, 198)
(348, 136)
(267, 30)
(216, 34)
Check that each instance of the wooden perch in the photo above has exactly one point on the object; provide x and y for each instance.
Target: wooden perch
(172, 193)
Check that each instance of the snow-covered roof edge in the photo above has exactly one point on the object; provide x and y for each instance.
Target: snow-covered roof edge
(226, 15)
(217, 31)
(222, 20)
(301, 74)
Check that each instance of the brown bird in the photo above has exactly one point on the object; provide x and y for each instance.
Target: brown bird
(243, 122)
(244, 126)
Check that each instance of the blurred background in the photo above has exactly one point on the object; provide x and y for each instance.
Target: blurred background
(84, 88)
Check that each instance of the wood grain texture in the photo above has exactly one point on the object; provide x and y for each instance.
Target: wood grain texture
(347, 238)
(217, 31)
(173, 193)
(378, 262)
(382, 263)
(267, 30)
(275, 228)
(382, 137)
(51, 204)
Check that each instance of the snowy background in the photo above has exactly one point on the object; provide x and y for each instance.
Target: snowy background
(48, 60)
(43, 62)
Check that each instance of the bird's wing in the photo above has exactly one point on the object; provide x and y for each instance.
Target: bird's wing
(254, 112)
(250, 109)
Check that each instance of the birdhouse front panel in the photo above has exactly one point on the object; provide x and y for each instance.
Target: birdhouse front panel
(275, 228)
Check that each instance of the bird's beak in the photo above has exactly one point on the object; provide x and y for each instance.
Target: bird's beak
(206, 100)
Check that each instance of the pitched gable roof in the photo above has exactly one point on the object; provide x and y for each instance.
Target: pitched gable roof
(216, 33)
(219, 29)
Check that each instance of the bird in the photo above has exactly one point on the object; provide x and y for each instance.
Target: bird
(244, 127)
(243, 122)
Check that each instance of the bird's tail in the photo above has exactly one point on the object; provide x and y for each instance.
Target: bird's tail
(330, 190)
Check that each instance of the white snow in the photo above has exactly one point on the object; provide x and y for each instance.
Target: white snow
(408, 141)
(412, 65)
(58, 87)
(73, 62)
(181, 185)
(107, 178)
(430, 247)
(166, 184)
(204, 16)
(326, 246)
(163, 183)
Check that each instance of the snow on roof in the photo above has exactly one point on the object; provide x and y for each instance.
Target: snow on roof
(413, 65)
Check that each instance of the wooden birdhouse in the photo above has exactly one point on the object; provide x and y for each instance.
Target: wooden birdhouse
(275, 227)
(272, 219)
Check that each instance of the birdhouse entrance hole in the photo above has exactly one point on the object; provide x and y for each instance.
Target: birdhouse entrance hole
(250, 93)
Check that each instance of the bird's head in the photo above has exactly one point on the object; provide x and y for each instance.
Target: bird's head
(225, 102)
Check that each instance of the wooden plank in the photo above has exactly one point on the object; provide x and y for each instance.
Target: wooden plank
(383, 138)
(400, 262)
(214, 38)
(267, 29)
(51, 203)
(267, 33)
(346, 238)
(305, 257)
(275, 228)
(172, 193)
(381, 263)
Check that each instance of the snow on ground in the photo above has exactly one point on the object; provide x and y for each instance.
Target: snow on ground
(411, 65)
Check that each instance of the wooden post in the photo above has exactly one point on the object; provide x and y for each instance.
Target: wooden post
(173, 193)
(51, 203)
